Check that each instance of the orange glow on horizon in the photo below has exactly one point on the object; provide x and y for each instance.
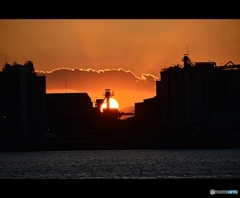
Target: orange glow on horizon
(113, 104)
(132, 96)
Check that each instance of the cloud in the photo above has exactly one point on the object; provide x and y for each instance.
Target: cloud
(90, 80)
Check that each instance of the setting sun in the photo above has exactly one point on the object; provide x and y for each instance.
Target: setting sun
(113, 104)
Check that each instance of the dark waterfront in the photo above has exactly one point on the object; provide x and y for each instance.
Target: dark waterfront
(57, 145)
(122, 164)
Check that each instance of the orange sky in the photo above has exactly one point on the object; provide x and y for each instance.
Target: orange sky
(141, 46)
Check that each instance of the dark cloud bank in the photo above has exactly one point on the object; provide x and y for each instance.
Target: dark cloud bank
(97, 80)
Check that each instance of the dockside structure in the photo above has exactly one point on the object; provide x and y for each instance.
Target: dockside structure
(200, 98)
(193, 100)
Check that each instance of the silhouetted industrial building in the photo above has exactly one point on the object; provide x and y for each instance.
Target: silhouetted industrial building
(198, 98)
(68, 114)
(149, 108)
(195, 94)
(22, 102)
(147, 116)
(105, 119)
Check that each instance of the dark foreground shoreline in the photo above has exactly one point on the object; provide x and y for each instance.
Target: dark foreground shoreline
(118, 145)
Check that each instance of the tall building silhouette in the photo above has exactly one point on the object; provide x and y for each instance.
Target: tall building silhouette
(200, 98)
(196, 98)
(22, 102)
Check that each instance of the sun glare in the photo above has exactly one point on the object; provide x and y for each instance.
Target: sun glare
(113, 104)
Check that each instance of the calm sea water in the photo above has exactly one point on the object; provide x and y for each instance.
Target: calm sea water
(121, 164)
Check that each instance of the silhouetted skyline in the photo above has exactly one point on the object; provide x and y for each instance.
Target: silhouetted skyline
(140, 46)
(189, 102)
